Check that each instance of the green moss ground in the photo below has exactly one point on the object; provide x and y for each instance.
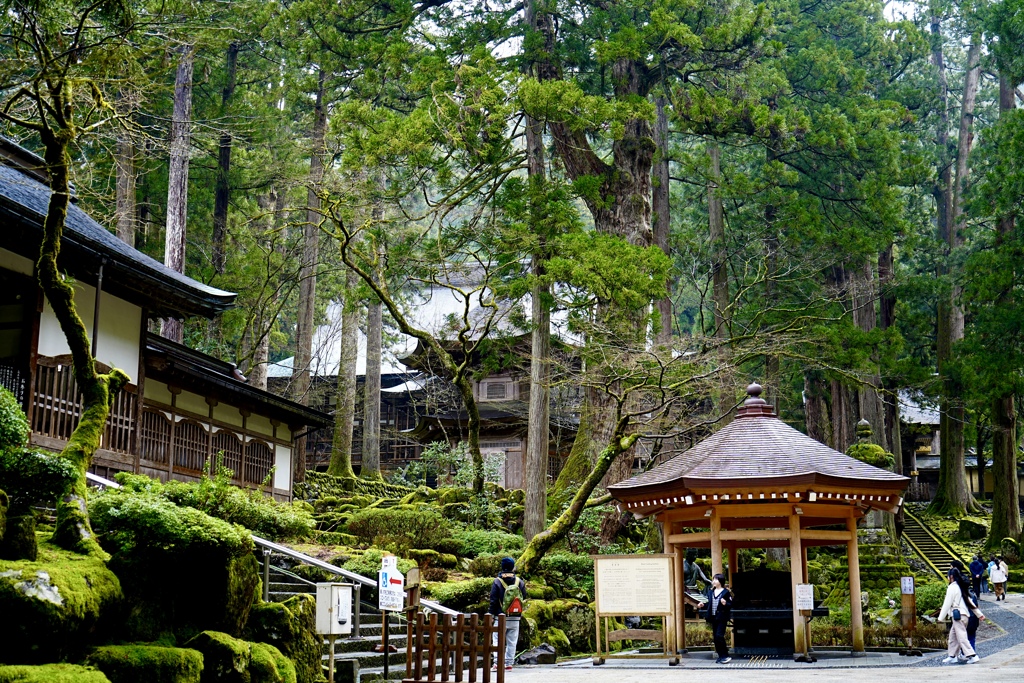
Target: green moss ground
(149, 663)
(51, 673)
(56, 606)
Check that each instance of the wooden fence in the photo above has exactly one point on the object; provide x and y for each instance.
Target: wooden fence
(447, 642)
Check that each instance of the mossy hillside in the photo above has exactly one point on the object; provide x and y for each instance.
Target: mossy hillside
(56, 606)
(229, 660)
(290, 626)
(181, 569)
(51, 673)
(149, 663)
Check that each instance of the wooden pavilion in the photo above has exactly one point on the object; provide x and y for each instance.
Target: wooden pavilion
(759, 483)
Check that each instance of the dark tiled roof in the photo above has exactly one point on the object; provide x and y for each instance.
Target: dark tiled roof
(128, 273)
(757, 446)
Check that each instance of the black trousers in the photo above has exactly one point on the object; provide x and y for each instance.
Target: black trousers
(976, 585)
(718, 626)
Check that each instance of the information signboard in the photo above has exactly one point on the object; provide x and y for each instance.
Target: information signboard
(390, 586)
(805, 596)
(633, 585)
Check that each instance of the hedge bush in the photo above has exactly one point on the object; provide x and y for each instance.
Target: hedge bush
(218, 497)
(14, 429)
(368, 564)
(31, 477)
(462, 595)
(398, 529)
(482, 542)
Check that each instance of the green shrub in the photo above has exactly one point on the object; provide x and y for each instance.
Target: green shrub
(181, 569)
(218, 497)
(150, 663)
(368, 564)
(33, 477)
(51, 673)
(485, 565)
(572, 574)
(930, 597)
(55, 607)
(290, 626)
(482, 542)
(403, 529)
(14, 429)
(462, 595)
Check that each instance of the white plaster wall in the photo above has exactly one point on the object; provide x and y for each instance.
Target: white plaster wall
(228, 414)
(257, 424)
(120, 326)
(157, 391)
(19, 264)
(193, 403)
(282, 467)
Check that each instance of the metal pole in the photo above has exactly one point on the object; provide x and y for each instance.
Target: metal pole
(356, 610)
(387, 646)
(266, 575)
(330, 666)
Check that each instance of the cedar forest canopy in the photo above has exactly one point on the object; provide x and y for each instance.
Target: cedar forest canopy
(821, 196)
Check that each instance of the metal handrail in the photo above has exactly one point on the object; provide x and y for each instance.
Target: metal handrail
(351, 576)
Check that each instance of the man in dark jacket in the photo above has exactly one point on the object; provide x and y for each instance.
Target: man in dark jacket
(719, 603)
(505, 581)
(977, 569)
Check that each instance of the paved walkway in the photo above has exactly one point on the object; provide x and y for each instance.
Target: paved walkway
(1002, 659)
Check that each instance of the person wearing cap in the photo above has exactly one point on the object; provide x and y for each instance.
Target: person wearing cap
(503, 582)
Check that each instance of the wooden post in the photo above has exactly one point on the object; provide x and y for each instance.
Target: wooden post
(474, 624)
(716, 542)
(853, 560)
(669, 623)
(796, 554)
(680, 603)
(460, 631)
(733, 562)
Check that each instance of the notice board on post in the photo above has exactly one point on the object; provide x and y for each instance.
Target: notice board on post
(633, 585)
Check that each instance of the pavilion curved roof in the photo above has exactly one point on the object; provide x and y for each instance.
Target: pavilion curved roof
(757, 450)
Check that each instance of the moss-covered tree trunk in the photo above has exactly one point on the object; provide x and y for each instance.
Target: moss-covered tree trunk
(72, 530)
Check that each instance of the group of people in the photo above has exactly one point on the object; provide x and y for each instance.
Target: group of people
(995, 572)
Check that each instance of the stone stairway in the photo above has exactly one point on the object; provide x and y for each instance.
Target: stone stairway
(926, 543)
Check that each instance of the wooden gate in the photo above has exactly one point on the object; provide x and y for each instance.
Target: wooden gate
(436, 649)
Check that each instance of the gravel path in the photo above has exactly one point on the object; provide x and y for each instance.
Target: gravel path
(1008, 615)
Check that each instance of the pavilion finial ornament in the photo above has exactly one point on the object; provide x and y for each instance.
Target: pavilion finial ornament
(755, 406)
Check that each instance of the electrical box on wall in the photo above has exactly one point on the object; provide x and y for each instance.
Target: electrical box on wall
(334, 609)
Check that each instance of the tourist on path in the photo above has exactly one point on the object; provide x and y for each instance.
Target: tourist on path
(998, 575)
(955, 607)
(977, 570)
(974, 620)
(719, 602)
(508, 595)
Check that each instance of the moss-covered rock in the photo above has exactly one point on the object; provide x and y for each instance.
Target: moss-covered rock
(486, 565)
(159, 550)
(55, 607)
(19, 539)
(149, 663)
(460, 595)
(556, 638)
(290, 626)
(51, 673)
(229, 660)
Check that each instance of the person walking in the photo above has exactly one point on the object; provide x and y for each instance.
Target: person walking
(719, 602)
(508, 597)
(998, 575)
(974, 620)
(977, 570)
(955, 607)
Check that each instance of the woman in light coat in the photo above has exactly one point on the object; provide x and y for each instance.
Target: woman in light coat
(957, 598)
(997, 575)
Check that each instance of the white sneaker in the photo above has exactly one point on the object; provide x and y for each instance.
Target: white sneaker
(949, 660)
(974, 659)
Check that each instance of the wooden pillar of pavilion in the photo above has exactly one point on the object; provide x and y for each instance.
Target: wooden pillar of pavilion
(853, 560)
(677, 566)
(716, 542)
(669, 624)
(796, 554)
(733, 562)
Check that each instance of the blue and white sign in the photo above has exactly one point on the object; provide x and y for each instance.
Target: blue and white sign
(390, 585)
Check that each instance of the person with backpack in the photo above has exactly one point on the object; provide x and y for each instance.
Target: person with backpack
(508, 597)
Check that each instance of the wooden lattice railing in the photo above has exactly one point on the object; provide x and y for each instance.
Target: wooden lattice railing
(454, 648)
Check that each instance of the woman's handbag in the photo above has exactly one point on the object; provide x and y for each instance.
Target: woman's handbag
(956, 614)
